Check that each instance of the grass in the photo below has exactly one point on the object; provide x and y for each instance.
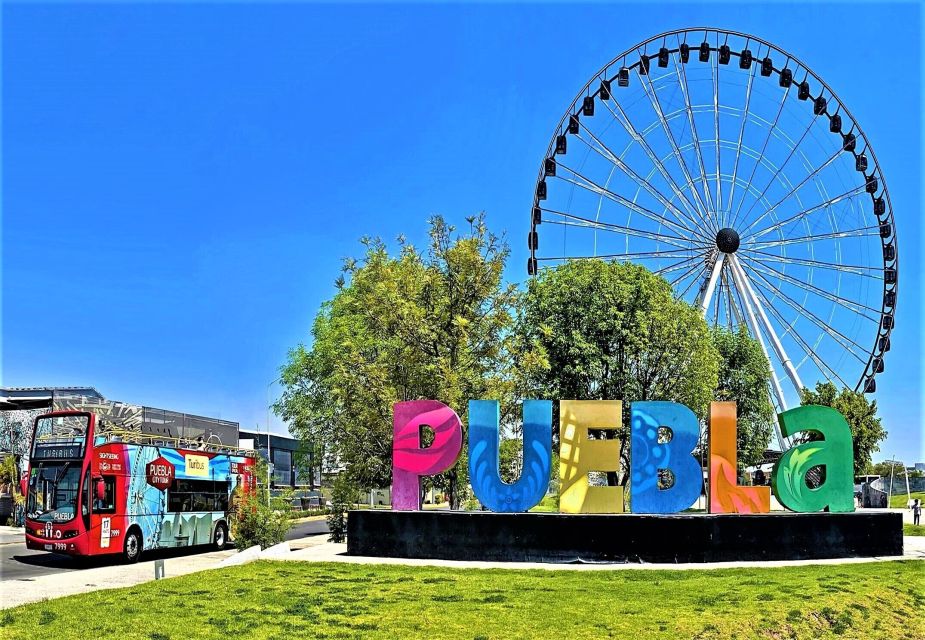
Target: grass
(899, 500)
(269, 600)
(913, 529)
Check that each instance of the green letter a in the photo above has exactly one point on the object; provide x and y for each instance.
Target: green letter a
(834, 452)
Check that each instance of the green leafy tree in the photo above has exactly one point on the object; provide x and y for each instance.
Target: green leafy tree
(861, 415)
(744, 376)
(420, 324)
(343, 495)
(611, 330)
(510, 459)
(883, 468)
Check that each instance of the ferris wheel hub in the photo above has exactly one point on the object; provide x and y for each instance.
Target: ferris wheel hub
(727, 240)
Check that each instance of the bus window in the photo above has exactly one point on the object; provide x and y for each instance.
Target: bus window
(104, 498)
(197, 495)
(85, 491)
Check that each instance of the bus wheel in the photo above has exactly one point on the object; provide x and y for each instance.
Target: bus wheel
(132, 546)
(220, 537)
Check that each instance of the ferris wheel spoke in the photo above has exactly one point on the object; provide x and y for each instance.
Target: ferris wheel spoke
(627, 125)
(605, 152)
(780, 170)
(735, 167)
(758, 160)
(850, 305)
(833, 333)
(579, 221)
(679, 265)
(682, 76)
(808, 350)
(860, 232)
(683, 277)
(591, 185)
(858, 270)
(644, 255)
(805, 212)
(792, 191)
(669, 135)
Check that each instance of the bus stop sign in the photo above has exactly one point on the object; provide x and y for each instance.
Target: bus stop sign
(160, 473)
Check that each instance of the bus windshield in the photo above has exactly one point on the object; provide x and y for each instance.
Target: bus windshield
(60, 436)
(53, 490)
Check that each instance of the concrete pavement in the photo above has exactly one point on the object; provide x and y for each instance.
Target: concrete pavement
(322, 551)
(110, 576)
(29, 576)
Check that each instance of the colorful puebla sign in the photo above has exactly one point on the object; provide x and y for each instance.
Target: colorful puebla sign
(663, 437)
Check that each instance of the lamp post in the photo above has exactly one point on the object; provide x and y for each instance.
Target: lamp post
(269, 448)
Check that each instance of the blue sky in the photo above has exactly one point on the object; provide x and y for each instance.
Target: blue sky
(181, 181)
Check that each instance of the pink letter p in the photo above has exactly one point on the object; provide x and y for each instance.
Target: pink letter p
(409, 460)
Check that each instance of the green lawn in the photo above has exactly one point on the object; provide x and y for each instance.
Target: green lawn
(913, 529)
(898, 501)
(288, 600)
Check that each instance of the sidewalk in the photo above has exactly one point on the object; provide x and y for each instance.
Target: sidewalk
(16, 592)
(913, 549)
(9, 535)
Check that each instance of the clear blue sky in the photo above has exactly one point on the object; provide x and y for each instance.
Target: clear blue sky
(181, 182)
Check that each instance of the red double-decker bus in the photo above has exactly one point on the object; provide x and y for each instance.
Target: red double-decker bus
(99, 488)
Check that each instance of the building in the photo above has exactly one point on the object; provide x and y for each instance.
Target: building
(149, 420)
(286, 460)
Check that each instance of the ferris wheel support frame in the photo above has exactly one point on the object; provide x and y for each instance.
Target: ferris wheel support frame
(775, 341)
(710, 284)
(752, 323)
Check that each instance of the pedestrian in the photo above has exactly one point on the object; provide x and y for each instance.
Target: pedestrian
(916, 511)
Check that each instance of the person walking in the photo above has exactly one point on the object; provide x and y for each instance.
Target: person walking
(916, 511)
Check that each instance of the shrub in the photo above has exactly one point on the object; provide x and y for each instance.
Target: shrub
(342, 495)
(256, 523)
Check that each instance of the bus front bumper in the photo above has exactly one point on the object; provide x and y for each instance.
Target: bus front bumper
(78, 545)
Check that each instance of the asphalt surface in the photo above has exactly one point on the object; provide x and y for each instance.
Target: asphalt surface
(19, 563)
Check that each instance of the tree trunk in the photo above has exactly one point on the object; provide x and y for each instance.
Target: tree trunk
(453, 486)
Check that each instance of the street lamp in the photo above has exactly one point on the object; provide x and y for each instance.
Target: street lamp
(269, 447)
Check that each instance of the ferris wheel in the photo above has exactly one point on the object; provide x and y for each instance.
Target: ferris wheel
(727, 166)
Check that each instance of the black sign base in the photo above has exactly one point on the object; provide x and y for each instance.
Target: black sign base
(555, 537)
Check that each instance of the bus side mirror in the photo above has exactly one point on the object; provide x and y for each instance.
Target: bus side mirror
(100, 489)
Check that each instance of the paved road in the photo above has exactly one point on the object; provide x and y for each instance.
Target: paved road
(19, 563)
(304, 529)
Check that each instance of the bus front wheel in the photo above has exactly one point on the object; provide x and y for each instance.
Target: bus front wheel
(132, 550)
(220, 537)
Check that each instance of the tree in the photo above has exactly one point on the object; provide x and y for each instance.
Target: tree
(432, 324)
(611, 330)
(510, 459)
(861, 415)
(16, 432)
(744, 376)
